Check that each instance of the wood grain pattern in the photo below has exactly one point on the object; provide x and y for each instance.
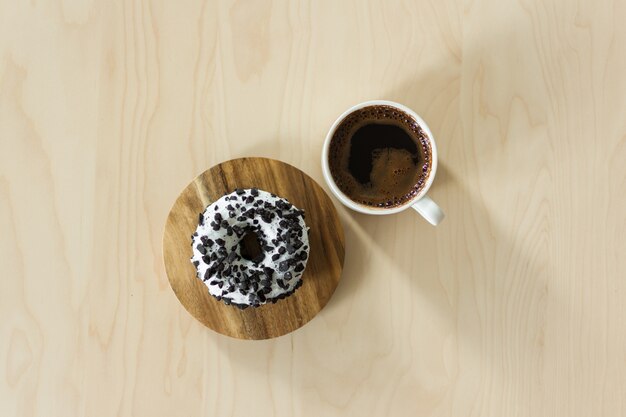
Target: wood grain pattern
(513, 306)
(326, 256)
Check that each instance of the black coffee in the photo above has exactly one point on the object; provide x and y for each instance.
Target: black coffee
(379, 156)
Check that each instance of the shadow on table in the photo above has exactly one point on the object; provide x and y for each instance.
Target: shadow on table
(460, 273)
(467, 252)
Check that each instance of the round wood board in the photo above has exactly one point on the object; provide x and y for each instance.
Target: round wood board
(322, 272)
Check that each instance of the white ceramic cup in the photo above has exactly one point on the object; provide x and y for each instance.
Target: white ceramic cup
(421, 202)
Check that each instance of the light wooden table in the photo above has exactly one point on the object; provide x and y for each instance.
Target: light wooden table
(513, 306)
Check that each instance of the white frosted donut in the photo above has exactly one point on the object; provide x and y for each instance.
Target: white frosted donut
(281, 232)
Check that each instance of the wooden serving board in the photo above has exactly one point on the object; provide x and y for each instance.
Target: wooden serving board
(326, 240)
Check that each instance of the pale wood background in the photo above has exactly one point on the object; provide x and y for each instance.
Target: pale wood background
(512, 307)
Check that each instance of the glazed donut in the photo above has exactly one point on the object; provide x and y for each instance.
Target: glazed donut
(229, 272)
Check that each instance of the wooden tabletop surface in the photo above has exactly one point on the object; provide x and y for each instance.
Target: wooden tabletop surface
(513, 306)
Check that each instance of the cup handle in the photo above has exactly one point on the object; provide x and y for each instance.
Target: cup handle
(429, 210)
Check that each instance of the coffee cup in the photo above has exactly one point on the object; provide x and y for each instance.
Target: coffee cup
(372, 159)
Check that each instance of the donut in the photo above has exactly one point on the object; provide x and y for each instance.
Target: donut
(243, 279)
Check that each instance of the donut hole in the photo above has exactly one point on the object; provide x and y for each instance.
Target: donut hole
(250, 247)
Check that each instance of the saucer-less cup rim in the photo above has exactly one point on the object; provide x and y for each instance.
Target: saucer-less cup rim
(378, 210)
